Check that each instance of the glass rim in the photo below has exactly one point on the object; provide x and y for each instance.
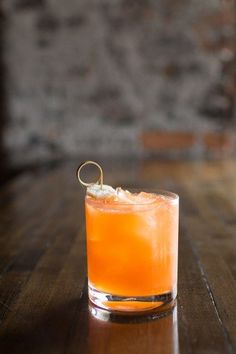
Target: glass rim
(171, 196)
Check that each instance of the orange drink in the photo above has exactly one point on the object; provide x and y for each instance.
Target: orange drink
(132, 249)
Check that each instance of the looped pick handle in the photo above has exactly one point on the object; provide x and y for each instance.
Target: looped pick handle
(100, 179)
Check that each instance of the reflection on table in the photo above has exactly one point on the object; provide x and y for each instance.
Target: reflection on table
(151, 336)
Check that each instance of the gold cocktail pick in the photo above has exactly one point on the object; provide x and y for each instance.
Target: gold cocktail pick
(100, 179)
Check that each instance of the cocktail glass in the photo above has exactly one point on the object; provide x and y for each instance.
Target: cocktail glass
(132, 252)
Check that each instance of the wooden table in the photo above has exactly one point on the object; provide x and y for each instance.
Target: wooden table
(43, 297)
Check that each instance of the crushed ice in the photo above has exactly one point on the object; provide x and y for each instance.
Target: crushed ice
(119, 195)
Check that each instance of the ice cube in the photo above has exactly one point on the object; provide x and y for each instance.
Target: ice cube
(124, 196)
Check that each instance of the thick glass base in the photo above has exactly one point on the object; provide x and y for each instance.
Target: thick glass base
(124, 305)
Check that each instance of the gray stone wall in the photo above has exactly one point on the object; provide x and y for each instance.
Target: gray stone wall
(89, 76)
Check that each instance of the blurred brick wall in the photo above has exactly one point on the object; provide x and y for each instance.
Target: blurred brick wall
(117, 77)
(3, 106)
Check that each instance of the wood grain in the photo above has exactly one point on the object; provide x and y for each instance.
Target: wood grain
(43, 284)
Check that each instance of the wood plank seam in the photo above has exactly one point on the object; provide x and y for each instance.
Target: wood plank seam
(205, 279)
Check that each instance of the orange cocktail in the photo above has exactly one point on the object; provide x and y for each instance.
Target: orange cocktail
(132, 248)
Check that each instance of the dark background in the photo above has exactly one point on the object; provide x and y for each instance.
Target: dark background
(115, 78)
